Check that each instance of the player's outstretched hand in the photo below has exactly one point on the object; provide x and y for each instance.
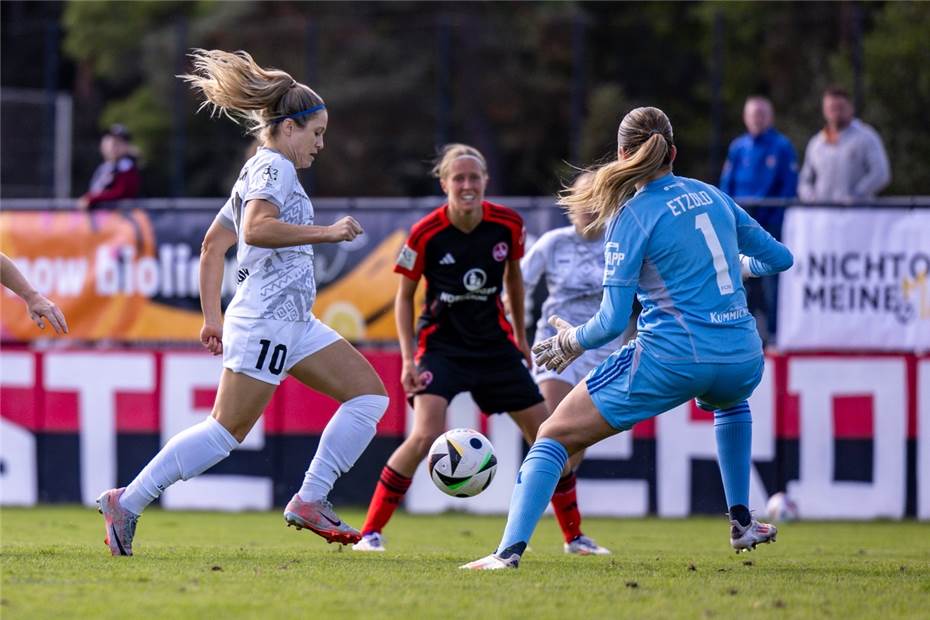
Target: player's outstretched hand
(345, 229)
(42, 309)
(211, 337)
(558, 352)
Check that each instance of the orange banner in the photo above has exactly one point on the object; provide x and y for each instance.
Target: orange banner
(100, 268)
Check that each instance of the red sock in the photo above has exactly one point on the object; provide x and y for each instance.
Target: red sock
(565, 505)
(388, 494)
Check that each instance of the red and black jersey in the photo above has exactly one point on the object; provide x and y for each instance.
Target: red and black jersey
(463, 315)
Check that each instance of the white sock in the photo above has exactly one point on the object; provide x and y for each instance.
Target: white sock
(189, 453)
(344, 439)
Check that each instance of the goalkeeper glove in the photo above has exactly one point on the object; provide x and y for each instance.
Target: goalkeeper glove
(557, 352)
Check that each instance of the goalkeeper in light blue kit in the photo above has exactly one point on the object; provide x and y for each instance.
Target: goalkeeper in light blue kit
(682, 247)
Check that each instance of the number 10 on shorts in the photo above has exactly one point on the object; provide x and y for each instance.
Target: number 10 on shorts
(278, 357)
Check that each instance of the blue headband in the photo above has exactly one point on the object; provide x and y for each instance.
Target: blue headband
(316, 108)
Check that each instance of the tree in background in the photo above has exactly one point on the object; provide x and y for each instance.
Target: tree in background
(400, 77)
(897, 84)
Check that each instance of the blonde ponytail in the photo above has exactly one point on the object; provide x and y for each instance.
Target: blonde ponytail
(235, 86)
(645, 135)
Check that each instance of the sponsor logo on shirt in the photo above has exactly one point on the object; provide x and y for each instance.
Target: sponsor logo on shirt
(269, 175)
(407, 258)
(500, 251)
(730, 315)
(474, 279)
(482, 294)
(612, 257)
(448, 259)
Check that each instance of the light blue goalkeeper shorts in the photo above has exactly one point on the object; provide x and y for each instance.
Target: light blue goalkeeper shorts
(631, 386)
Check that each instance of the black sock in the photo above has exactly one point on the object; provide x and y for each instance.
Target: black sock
(741, 514)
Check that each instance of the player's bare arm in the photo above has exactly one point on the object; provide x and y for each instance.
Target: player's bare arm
(213, 250)
(403, 313)
(262, 228)
(41, 309)
(513, 286)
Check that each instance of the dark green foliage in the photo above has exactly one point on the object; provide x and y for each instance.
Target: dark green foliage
(505, 83)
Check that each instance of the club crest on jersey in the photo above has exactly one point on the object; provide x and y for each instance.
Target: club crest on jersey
(269, 175)
(612, 257)
(474, 279)
(500, 251)
(407, 258)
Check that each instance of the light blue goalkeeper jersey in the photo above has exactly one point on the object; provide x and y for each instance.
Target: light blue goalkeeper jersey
(677, 243)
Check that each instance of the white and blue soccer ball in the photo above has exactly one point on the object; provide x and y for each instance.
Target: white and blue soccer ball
(781, 508)
(462, 462)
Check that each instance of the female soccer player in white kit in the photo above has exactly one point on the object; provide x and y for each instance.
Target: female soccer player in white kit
(269, 328)
(570, 260)
(676, 243)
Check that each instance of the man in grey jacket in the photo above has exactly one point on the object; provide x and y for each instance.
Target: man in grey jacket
(846, 160)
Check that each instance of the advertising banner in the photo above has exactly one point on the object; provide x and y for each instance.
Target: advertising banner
(132, 275)
(847, 437)
(861, 280)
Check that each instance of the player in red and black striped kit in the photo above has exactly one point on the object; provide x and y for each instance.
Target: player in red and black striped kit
(469, 251)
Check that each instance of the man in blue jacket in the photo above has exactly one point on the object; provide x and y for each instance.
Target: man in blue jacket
(762, 163)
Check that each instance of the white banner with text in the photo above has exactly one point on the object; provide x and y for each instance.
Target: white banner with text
(859, 282)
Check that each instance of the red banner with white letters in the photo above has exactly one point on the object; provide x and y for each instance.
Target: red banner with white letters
(846, 436)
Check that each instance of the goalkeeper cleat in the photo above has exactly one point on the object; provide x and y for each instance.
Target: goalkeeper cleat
(493, 562)
(508, 558)
(746, 537)
(120, 523)
(582, 545)
(319, 518)
(372, 541)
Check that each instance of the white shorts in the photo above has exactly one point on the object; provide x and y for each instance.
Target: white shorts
(577, 370)
(266, 349)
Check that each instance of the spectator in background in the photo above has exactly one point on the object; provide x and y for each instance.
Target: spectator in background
(118, 176)
(845, 160)
(762, 163)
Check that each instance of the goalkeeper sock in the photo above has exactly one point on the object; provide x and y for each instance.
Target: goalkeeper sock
(733, 430)
(536, 481)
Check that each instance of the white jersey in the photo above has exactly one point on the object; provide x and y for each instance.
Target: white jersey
(226, 217)
(574, 271)
(272, 283)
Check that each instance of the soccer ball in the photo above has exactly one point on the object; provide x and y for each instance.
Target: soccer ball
(780, 507)
(462, 462)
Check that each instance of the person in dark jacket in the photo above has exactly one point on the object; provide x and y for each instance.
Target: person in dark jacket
(117, 177)
(762, 163)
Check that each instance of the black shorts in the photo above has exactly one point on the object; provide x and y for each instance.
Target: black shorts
(497, 384)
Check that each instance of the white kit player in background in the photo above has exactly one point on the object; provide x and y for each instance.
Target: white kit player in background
(269, 330)
(571, 262)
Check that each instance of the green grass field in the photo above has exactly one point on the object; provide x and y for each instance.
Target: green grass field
(199, 565)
